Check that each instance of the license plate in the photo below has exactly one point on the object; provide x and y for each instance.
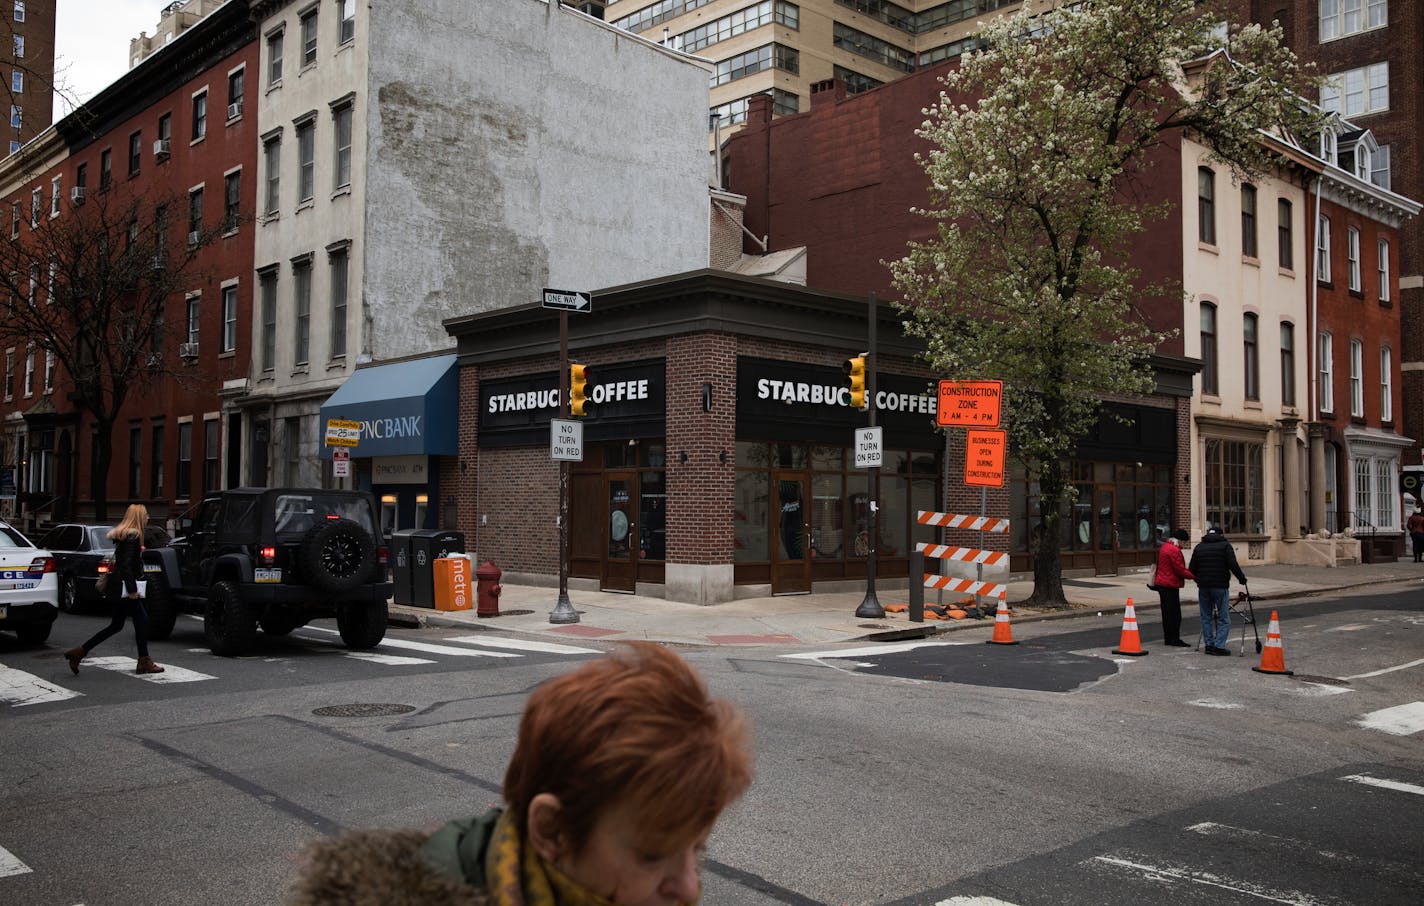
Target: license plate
(152, 568)
(266, 574)
(21, 584)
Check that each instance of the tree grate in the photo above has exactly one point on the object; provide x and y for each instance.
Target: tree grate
(363, 710)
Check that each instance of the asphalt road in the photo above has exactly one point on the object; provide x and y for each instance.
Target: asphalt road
(1047, 772)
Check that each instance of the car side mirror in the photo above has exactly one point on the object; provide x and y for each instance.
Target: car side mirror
(185, 525)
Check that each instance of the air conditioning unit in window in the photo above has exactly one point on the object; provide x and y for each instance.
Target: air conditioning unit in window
(193, 237)
(160, 147)
(76, 195)
(234, 110)
(188, 351)
(158, 263)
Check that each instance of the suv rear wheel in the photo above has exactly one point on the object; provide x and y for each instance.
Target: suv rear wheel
(362, 625)
(337, 556)
(230, 625)
(158, 601)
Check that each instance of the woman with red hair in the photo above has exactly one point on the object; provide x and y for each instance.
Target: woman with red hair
(621, 769)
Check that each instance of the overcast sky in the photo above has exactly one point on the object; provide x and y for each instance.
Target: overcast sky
(92, 43)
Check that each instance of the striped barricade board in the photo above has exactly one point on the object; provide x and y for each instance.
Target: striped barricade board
(969, 523)
(963, 554)
(968, 586)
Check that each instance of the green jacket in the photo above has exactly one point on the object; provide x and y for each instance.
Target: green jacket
(398, 867)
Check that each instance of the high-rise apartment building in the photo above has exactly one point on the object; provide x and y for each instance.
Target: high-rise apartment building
(175, 18)
(782, 48)
(28, 75)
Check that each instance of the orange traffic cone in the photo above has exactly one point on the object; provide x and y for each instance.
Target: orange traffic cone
(1131, 642)
(1003, 633)
(1273, 656)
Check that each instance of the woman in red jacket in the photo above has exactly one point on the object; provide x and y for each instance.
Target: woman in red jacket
(1169, 578)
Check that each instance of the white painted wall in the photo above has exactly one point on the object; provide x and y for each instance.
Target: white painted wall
(513, 146)
(1222, 275)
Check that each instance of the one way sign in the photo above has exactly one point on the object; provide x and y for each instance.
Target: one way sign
(568, 300)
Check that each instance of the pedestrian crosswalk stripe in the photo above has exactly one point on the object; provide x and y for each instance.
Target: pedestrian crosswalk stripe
(20, 688)
(523, 645)
(973, 901)
(1396, 785)
(170, 674)
(9, 865)
(390, 660)
(1401, 720)
(424, 646)
(1160, 873)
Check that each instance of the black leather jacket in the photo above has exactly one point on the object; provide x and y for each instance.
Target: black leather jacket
(128, 566)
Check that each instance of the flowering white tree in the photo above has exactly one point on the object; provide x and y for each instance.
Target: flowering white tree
(1043, 141)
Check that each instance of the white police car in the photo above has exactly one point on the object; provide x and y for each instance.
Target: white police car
(29, 588)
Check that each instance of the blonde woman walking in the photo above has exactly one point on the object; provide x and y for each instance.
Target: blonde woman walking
(122, 593)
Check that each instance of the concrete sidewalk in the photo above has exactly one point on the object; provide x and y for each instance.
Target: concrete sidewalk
(828, 618)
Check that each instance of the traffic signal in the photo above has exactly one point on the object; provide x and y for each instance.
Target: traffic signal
(578, 391)
(855, 369)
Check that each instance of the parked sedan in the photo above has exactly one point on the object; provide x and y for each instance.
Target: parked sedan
(29, 590)
(78, 550)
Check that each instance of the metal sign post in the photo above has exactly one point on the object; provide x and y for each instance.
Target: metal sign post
(563, 611)
(870, 608)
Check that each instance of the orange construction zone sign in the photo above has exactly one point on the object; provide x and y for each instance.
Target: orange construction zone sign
(984, 458)
(969, 404)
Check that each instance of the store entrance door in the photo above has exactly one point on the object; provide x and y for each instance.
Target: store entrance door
(1104, 532)
(620, 561)
(790, 552)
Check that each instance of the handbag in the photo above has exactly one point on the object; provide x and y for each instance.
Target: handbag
(1150, 586)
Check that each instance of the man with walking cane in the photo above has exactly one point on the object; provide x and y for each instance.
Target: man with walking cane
(1213, 564)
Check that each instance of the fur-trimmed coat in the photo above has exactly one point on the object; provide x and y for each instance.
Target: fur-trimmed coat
(399, 867)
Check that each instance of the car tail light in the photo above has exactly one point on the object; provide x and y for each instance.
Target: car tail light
(268, 555)
(105, 567)
(332, 517)
(42, 564)
(383, 555)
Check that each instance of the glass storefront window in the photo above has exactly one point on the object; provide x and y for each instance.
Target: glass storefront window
(752, 517)
(652, 517)
(753, 455)
(858, 514)
(894, 516)
(828, 459)
(790, 456)
(827, 516)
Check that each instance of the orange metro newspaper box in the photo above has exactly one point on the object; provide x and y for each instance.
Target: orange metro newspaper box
(452, 584)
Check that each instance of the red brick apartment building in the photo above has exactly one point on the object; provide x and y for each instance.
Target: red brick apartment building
(27, 53)
(176, 129)
(1373, 52)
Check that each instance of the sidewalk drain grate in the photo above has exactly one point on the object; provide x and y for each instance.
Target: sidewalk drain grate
(368, 710)
(1323, 680)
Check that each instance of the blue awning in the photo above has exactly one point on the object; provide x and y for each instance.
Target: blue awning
(403, 408)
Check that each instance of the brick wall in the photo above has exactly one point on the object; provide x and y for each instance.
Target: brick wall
(700, 491)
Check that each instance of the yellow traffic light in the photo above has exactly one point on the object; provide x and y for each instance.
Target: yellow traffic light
(578, 392)
(855, 369)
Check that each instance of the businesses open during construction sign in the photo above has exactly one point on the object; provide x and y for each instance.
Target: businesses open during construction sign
(984, 458)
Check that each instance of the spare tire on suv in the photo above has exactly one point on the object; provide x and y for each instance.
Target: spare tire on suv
(337, 555)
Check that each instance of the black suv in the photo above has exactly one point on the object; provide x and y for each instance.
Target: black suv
(275, 558)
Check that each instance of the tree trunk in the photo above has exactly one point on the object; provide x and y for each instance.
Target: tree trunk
(1047, 559)
(99, 469)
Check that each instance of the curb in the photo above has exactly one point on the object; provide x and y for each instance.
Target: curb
(409, 617)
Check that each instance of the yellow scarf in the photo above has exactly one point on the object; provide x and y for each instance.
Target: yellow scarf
(517, 876)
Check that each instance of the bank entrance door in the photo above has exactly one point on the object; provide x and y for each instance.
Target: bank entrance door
(791, 529)
(620, 561)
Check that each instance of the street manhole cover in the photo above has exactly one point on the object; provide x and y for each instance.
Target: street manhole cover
(368, 710)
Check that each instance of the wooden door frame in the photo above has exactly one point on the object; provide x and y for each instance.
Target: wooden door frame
(607, 580)
(800, 584)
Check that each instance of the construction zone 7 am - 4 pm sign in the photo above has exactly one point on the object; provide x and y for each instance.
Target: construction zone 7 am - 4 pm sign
(969, 404)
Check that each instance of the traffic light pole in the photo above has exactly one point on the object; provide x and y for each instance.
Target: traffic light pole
(870, 606)
(563, 611)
